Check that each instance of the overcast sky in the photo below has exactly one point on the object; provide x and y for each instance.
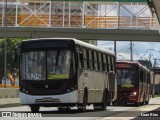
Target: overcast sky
(139, 49)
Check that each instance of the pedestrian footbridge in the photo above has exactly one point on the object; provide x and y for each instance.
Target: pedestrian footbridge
(63, 15)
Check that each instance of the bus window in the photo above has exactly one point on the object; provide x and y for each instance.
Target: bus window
(98, 61)
(148, 77)
(85, 58)
(87, 52)
(141, 75)
(80, 59)
(108, 63)
(95, 61)
(104, 63)
(33, 67)
(90, 60)
(112, 63)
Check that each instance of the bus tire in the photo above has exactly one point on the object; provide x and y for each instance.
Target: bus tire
(82, 107)
(146, 102)
(104, 101)
(113, 103)
(34, 108)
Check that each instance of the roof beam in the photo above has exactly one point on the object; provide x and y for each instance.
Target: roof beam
(82, 34)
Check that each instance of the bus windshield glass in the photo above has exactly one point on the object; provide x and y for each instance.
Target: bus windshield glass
(47, 65)
(127, 75)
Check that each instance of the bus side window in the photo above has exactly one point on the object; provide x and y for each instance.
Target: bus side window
(93, 64)
(149, 77)
(145, 77)
(109, 63)
(112, 63)
(87, 54)
(141, 75)
(114, 67)
(80, 57)
(104, 63)
(85, 58)
(100, 61)
(90, 60)
(95, 61)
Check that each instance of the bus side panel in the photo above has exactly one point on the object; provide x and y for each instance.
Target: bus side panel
(95, 82)
(86, 80)
(99, 86)
(90, 86)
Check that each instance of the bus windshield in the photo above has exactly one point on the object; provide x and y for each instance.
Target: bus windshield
(127, 77)
(47, 65)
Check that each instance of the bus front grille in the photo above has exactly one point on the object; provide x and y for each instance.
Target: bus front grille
(54, 86)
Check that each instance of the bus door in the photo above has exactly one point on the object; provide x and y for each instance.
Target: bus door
(112, 86)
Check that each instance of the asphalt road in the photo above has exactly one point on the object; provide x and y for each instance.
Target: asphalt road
(112, 112)
(53, 112)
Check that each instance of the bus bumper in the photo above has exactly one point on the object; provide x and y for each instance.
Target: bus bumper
(125, 100)
(26, 99)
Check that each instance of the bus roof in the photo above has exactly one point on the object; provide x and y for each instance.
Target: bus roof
(81, 43)
(133, 62)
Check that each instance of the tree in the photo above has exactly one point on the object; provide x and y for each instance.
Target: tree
(146, 63)
(11, 65)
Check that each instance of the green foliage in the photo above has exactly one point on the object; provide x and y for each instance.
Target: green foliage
(11, 65)
(146, 63)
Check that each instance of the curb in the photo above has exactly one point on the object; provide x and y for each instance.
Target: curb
(10, 105)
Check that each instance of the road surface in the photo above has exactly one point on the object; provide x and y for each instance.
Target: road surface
(112, 112)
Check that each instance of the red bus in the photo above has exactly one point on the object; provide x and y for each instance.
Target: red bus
(133, 83)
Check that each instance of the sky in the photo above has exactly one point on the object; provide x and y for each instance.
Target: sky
(141, 50)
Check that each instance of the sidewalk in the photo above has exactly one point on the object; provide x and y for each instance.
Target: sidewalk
(9, 102)
(9, 97)
(154, 105)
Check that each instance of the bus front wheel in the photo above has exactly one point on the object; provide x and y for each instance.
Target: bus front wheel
(34, 108)
(82, 107)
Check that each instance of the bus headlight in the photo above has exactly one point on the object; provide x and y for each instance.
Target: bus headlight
(134, 94)
(23, 88)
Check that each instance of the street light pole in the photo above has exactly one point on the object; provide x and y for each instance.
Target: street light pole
(5, 47)
(131, 49)
(146, 52)
(150, 65)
